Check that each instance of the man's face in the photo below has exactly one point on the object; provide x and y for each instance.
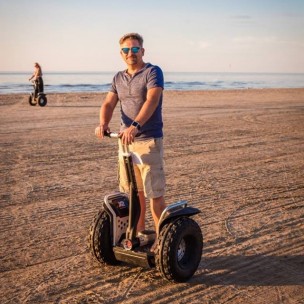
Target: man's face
(131, 52)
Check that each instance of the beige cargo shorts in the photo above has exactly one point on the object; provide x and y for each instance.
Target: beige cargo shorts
(148, 164)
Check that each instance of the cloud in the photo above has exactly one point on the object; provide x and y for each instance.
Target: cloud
(242, 20)
(241, 17)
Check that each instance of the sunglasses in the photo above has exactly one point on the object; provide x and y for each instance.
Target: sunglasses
(134, 50)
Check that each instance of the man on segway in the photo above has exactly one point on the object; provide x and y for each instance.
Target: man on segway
(117, 233)
(139, 89)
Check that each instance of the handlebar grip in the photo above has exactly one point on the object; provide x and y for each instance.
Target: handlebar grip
(111, 134)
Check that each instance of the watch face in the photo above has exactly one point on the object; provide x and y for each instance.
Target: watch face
(136, 125)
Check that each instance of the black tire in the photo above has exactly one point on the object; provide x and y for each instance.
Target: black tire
(42, 100)
(31, 101)
(100, 240)
(179, 251)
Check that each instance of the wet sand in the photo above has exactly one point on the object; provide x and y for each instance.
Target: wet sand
(238, 156)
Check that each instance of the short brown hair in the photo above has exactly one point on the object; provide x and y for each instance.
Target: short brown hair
(134, 36)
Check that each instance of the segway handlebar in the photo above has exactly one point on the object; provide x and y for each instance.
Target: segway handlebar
(111, 134)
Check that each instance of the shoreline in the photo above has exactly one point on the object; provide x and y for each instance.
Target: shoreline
(7, 99)
(167, 91)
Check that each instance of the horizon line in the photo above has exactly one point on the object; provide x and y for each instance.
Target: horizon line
(114, 72)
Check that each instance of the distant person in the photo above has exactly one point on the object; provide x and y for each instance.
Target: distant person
(139, 90)
(37, 78)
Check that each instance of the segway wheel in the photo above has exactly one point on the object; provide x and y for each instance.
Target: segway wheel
(42, 100)
(100, 240)
(31, 100)
(179, 251)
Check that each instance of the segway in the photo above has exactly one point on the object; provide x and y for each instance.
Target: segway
(37, 97)
(113, 238)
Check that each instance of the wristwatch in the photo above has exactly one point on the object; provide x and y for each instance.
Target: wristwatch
(136, 125)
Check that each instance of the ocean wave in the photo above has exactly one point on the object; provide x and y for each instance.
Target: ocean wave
(100, 82)
(84, 85)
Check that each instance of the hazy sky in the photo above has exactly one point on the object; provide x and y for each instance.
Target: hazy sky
(179, 35)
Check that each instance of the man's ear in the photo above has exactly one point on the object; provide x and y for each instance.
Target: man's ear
(143, 51)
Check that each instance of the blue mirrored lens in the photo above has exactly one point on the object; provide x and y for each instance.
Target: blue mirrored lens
(134, 50)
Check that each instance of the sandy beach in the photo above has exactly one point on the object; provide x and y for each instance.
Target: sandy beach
(237, 155)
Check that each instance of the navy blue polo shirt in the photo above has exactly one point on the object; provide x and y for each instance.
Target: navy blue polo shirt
(132, 93)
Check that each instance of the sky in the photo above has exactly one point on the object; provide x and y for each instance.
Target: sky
(254, 36)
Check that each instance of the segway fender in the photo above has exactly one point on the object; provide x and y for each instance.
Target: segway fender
(174, 211)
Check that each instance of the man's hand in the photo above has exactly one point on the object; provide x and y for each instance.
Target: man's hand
(99, 131)
(128, 135)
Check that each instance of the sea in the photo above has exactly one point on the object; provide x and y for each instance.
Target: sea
(66, 82)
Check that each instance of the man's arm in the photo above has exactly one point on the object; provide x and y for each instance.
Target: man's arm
(150, 105)
(106, 112)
